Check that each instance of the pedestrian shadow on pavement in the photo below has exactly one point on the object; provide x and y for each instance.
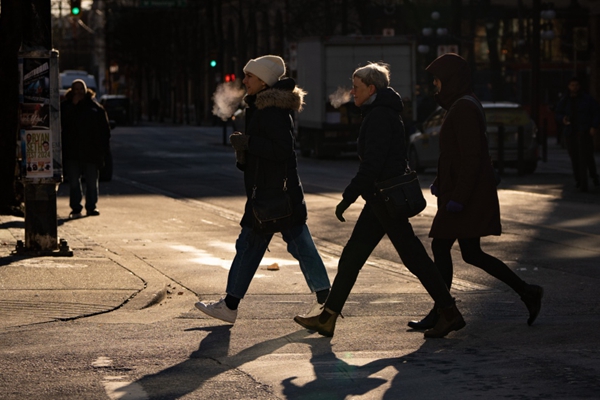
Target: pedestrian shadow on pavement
(334, 379)
(414, 374)
(210, 360)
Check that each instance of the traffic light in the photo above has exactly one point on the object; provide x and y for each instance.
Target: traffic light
(75, 7)
(213, 63)
(229, 77)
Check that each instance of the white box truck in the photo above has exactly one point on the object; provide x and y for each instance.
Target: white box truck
(324, 65)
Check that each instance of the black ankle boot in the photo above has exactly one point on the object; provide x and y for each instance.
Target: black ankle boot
(532, 297)
(427, 322)
(450, 319)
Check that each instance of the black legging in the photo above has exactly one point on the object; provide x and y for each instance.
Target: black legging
(472, 254)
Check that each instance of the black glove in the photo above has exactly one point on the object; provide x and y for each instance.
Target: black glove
(239, 141)
(340, 208)
(434, 190)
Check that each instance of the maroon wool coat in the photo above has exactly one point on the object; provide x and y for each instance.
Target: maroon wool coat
(465, 172)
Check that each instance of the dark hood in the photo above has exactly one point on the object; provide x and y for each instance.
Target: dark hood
(454, 73)
(387, 97)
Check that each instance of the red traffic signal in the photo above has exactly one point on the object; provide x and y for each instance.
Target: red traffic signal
(229, 77)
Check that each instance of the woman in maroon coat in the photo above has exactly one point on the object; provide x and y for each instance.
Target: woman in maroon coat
(468, 205)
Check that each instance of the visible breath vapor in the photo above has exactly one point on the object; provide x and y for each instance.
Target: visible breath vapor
(227, 99)
(339, 97)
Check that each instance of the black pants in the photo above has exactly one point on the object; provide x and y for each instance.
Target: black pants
(581, 152)
(372, 224)
(472, 254)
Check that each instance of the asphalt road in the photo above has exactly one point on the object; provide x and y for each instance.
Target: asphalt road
(117, 320)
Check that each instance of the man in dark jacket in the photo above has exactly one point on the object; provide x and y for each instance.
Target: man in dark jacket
(579, 113)
(465, 186)
(85, 141)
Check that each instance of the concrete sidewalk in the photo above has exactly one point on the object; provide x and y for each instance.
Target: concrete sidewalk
(43, 289)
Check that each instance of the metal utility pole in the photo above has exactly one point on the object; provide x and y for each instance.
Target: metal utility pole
(40, 156)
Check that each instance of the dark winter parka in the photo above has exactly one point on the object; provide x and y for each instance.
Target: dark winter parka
(85, 129)
(271, 157)
(465, 172)
(381, 145)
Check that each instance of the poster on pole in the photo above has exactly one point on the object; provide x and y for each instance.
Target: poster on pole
(34, 116)
(35, 80)
(36, 153)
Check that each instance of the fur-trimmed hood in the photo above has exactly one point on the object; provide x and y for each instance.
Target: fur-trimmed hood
(89, 94)
(284, 94)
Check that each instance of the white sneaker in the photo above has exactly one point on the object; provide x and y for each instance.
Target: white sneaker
(218, 309)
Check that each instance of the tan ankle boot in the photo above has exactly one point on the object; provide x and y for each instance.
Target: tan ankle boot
(323, 323)
(450, 320)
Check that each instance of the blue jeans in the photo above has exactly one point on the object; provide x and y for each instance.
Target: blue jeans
(75, 170)
(250, 249)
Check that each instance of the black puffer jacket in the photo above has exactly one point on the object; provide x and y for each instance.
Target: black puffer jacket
(381, 145)
(271, 156)
(85, 130)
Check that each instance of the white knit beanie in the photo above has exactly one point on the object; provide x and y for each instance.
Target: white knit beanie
(268, 68)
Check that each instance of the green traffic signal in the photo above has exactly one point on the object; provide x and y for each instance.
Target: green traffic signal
(75, 7)
(213, 63)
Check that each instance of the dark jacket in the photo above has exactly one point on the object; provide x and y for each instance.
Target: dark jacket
(271, 156)
(85, 130)
(381, 145)
(465, 172)
(586, 115)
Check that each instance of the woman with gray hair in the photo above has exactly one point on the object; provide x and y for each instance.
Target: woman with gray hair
(382, 154)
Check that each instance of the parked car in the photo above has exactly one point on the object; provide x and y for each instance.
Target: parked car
(117, 106)
(424, 147)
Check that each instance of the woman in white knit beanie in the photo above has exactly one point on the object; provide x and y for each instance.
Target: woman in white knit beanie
(266, 153)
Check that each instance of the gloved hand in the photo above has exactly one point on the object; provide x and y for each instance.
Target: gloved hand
(239, 141)
(340, 208)
(454, 207)
(434, 190)
(240, 157)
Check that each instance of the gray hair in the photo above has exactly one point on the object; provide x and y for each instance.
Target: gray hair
(376, 74)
